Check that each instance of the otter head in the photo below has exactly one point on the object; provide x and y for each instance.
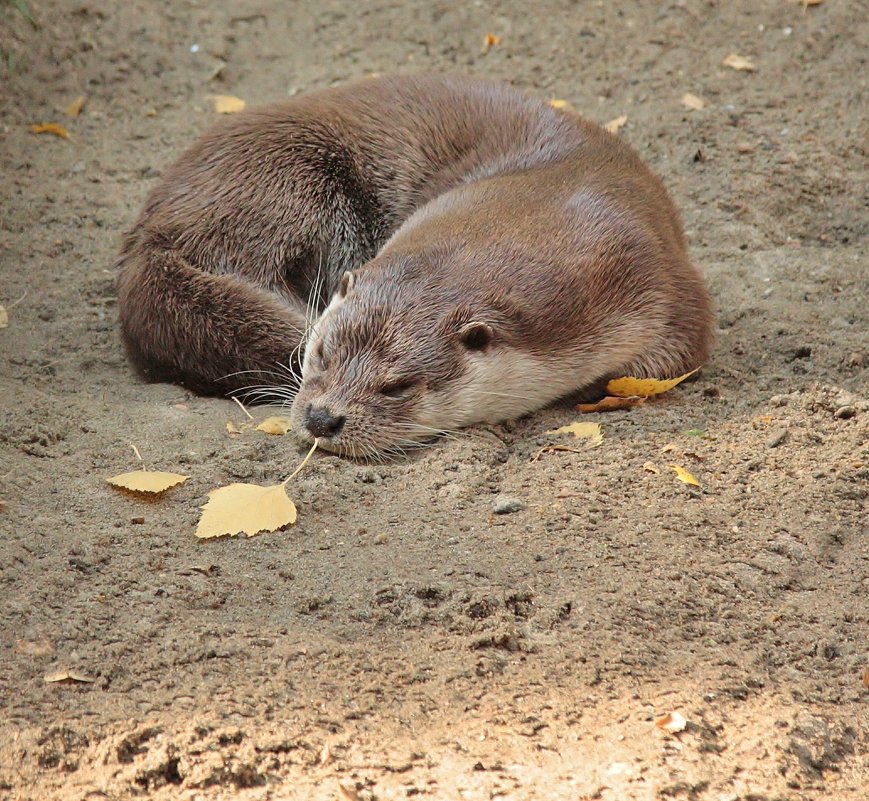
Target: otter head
(399, 356)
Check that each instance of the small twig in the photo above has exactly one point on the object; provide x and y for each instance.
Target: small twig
(550, 448)
(241, 406)
(15, 303)
(304, 462)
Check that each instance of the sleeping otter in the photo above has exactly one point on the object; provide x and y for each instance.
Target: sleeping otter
(409, 255)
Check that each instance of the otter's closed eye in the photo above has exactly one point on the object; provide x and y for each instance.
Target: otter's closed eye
(320, 355)
(398, 389)
(477, 336)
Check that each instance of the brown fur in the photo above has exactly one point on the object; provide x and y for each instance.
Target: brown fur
(454, 194)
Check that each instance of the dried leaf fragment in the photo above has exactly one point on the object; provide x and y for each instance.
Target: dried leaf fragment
(672, 722)
(693, 102)
(50, 128)
(684, 476)
(589, 431)
(561, 105)
(4, 317)
(275, 425)
(613, 126)
(348, 793)
(651, 467)
(627, 387)
(611, 404)
(738, 63)
(245, 509)
(74, 108)
(36, 648)
(68, 676)
(490, 40)
(228, 104)
(152, 482)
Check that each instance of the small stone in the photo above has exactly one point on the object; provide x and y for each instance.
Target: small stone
(802, 352)
(380, 539)
(506, 506)
(776, 438)
(778, 400)
(845, 412)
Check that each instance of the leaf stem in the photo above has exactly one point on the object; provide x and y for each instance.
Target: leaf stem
(304, 462)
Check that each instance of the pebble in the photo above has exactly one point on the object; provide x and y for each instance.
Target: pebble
(778, 400)
(506, 506)
(845, 412)
(776, 438)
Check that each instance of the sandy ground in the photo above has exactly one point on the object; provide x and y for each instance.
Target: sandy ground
(402, 640)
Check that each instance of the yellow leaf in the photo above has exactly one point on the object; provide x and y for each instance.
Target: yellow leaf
(589, 431)
(672, 722)
(650, 467)
(684, 476)
(152, 482)
(50, 128)
(4, 317)
(739, 63)
(613, 126)
(490, 40)
(74, 108)
(610, 404)
(227, 104)
(561, 105)
(67, 675)
(245, 509)
(275, 425)
(693, 102)
(627, 387)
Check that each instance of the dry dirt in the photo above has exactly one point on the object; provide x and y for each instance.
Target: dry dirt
(403, 640)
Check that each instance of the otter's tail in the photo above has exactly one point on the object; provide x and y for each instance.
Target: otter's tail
(215, 334)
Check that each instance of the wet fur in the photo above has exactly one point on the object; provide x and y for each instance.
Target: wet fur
(454, 201)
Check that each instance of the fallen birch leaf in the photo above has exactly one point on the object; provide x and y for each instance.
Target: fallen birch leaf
(490, 40)
(650, 467)
(671, 723)
(50, 128)
(610, 404)
(693, 102)
(245, 509)
(228, 104)
(275, 425)
(68, 675)
(627, 387)
(4, 317)
(589, 431)
(152, 482)
(74, 108)
(738, 63)
(684, 476)
(561, 105)
(614, 126)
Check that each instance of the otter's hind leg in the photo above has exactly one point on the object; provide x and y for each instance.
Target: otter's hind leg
(215, 334)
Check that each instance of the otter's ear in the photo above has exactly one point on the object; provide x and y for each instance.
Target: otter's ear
(476, 336)
(346, 284)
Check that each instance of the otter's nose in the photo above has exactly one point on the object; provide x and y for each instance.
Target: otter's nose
(322, 423)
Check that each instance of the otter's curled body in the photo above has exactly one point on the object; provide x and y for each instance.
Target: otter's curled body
(503, 254)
